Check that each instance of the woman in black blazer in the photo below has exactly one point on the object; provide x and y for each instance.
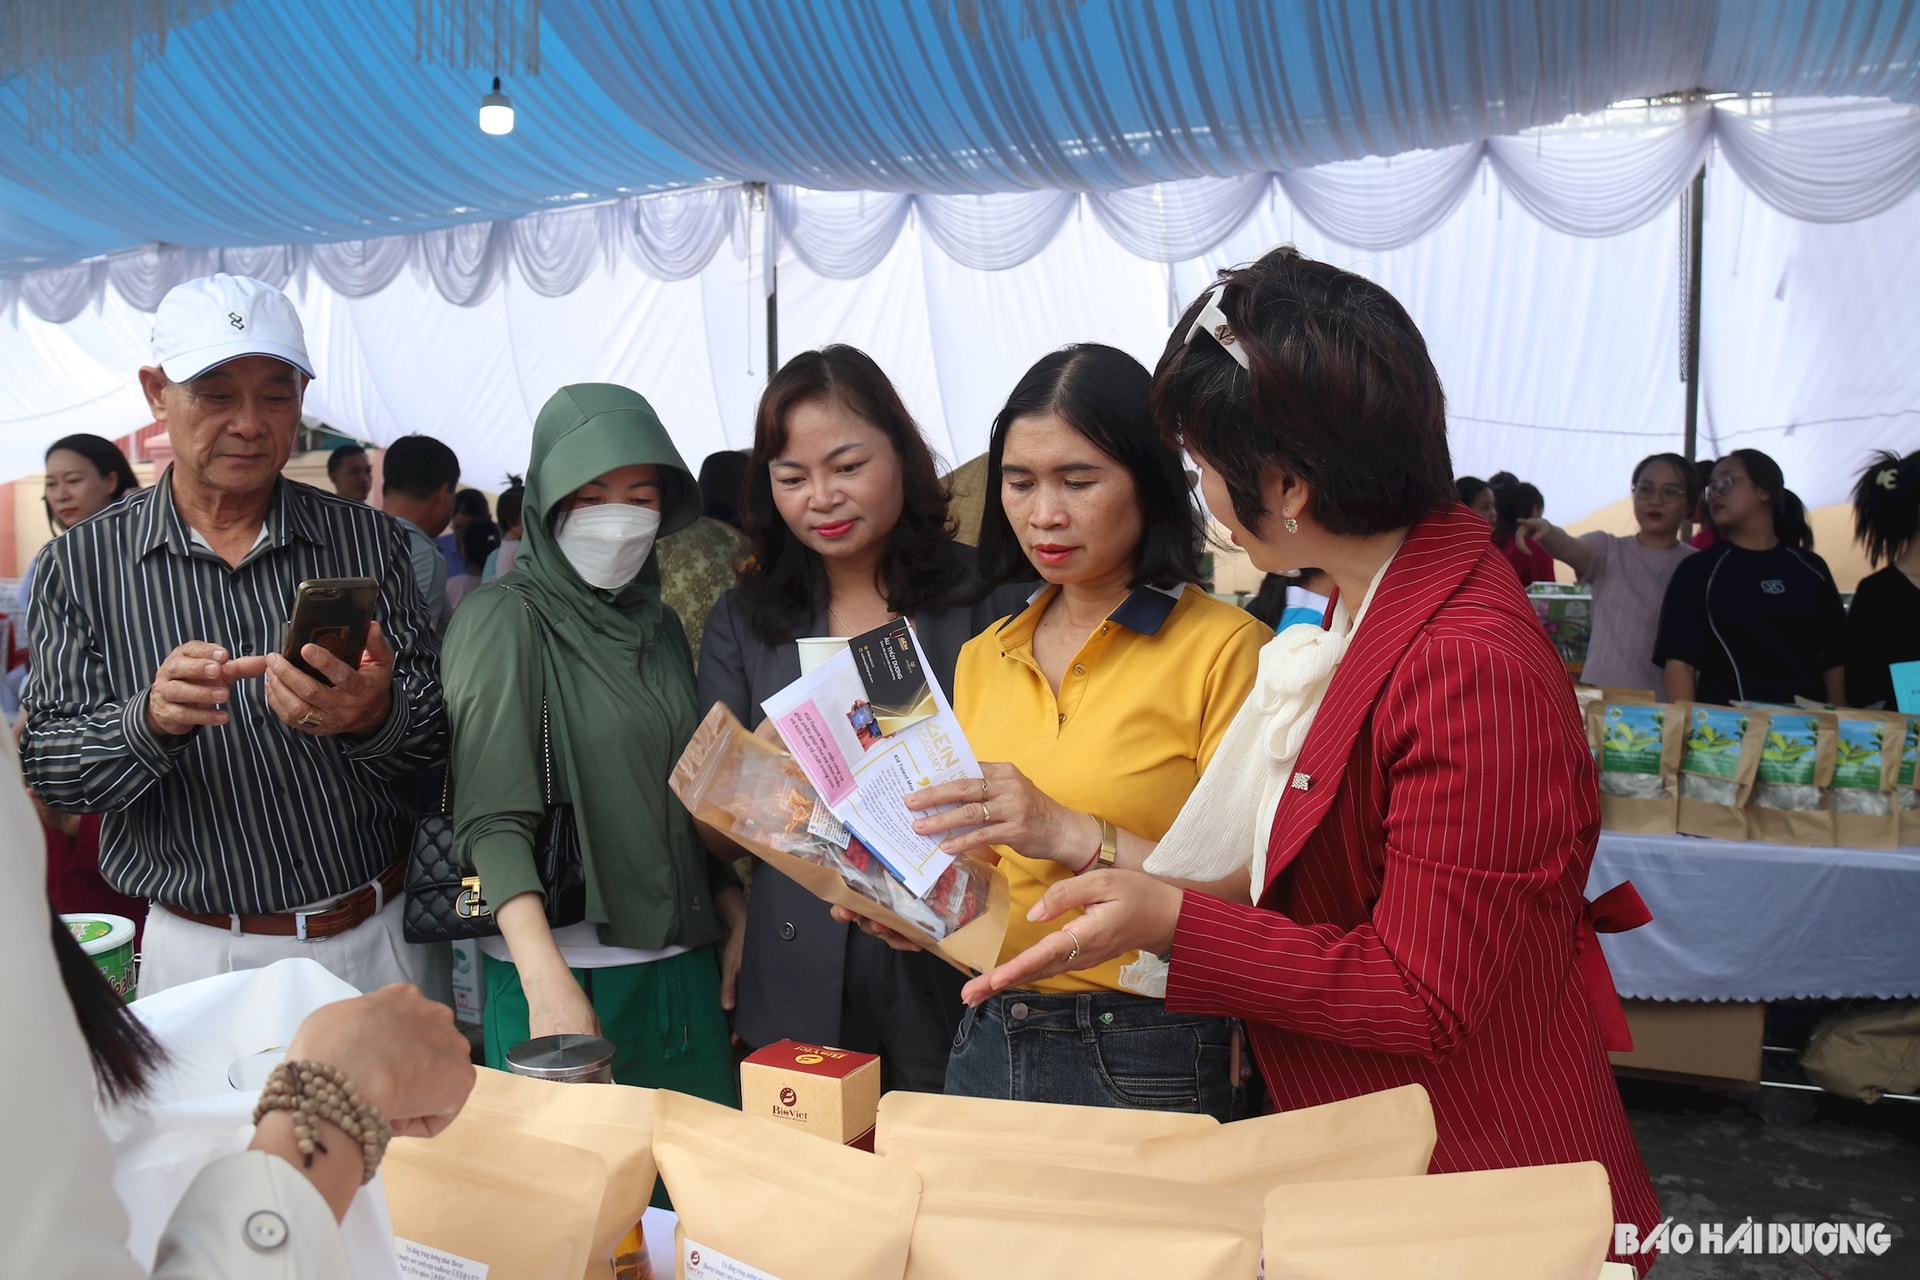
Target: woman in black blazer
(849, 526)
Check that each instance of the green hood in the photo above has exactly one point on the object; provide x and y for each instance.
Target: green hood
(583, 432)
(614, 672)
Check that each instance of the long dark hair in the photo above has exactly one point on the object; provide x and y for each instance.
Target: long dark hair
(125, 1054)
(915, 568)
(1514, 500)
(1101, 392)
(1789, 513)
(1886, 506)
(106, 458)
(1469, 488)
(1270, 601)
(511, 499)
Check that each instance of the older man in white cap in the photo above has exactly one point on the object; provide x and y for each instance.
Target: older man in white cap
(264, 813)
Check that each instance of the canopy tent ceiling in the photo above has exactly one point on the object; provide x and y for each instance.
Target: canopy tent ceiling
(274, 122)
(1817, 160)
(1558, 352)
(956, 187)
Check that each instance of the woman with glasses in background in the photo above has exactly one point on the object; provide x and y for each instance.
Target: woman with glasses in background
(1629, 575)
(1755, 617)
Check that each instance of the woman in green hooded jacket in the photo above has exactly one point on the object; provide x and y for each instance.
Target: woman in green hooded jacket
(579, 626)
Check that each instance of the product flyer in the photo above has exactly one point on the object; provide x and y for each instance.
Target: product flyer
(867, 727)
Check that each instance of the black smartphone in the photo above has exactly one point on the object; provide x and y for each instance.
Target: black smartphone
(333, 613)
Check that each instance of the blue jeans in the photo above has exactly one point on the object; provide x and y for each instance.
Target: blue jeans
(1096, 1049)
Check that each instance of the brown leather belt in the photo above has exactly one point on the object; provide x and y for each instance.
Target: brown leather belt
(358, 907)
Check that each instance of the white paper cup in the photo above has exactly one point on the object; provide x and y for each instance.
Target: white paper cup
(815, 650)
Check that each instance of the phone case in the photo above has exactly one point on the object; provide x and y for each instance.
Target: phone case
(333, 613)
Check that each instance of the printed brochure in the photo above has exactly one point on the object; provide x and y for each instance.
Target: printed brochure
(869, 726)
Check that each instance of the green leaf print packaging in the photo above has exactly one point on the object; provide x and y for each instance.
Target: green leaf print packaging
(1790, 789)
(1905, 795)
(1637, 748)
(1718, 762)
(1866, 771)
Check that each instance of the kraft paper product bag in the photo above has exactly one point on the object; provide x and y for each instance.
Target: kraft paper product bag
(1865, 797)
(754, 794)
(1547, 1222)
(1789, 804)
(1637, 746)
(517, 1204)
(995, 1218)
(1043, 1133)
(613, 1121)
(1388, 1134)
(755, 1193)
(1717, 769)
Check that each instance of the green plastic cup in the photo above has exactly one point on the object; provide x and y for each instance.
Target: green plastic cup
(109, 941)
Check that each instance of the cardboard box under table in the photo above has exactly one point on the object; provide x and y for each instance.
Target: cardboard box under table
(831, 1093)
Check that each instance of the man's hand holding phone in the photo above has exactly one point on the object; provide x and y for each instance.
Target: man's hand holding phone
(192, 688)
(357, 701)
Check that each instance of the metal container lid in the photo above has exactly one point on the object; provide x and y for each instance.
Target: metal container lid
(561, 1057)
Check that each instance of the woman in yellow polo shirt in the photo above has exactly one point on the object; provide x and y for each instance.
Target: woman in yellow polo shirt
(1098, 706)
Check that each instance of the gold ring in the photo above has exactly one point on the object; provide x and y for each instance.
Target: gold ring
(1076, 943)
(986, 816)
(983, 789)
(312, 718)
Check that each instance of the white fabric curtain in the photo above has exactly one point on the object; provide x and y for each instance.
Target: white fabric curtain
(1382, 204)
(1607, 178)
(1171, 221)
(842, 234)
(1817, 161)
(997, 232)
(1559, 353)
(1554, 325)
(1822, 161)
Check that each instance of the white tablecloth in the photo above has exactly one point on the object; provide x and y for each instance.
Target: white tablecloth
(1762, 921)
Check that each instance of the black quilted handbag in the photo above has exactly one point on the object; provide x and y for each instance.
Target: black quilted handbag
(445, 900)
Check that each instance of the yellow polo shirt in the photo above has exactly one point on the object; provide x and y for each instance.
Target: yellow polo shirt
(1140, 710)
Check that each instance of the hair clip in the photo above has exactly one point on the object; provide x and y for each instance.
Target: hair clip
(1888, 479)
(1213, 321)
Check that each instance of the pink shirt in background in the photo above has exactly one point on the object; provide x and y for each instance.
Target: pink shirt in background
(1629, 581)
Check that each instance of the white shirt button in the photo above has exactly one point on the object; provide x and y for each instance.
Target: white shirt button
(266, 1231)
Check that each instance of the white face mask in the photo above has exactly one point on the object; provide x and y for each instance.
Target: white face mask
(607, 545)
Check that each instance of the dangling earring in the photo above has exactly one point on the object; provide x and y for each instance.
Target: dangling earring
(1290, 524)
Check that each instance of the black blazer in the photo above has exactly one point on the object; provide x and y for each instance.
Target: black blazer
(791, 980)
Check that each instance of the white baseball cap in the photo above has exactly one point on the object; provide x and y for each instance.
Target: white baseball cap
(217, 318)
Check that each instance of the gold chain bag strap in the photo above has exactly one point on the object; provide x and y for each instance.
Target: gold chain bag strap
(445, 899)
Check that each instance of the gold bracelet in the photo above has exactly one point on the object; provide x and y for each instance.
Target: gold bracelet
(1109, 842)
(314, 1091)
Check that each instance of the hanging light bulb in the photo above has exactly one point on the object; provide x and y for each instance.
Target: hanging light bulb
(496, 111)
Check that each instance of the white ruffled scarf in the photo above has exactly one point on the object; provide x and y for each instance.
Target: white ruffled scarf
(1227, 821)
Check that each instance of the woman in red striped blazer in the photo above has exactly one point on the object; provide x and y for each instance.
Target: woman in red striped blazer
(1421, 914)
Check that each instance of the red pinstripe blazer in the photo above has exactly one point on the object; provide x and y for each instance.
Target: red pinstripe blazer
(1424, 891)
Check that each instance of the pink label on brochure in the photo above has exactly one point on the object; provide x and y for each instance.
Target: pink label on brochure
(806, 733)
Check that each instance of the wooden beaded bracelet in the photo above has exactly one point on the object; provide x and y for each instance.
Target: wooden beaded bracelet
(313, 1092)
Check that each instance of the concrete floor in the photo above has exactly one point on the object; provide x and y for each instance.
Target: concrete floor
(1781, 1156)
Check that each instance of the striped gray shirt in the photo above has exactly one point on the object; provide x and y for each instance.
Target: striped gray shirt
(249, 816)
